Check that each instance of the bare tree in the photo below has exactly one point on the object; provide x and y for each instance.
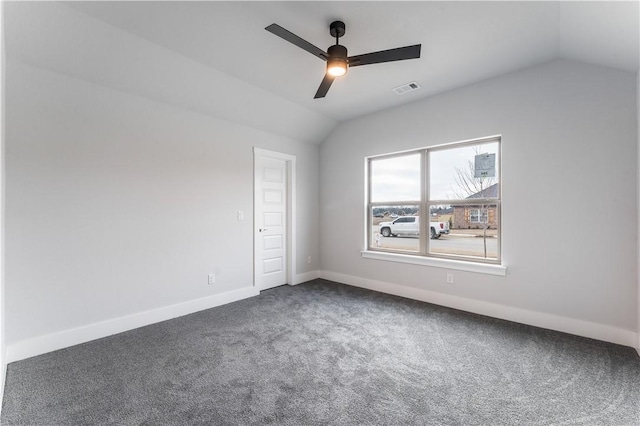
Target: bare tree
(468, 185)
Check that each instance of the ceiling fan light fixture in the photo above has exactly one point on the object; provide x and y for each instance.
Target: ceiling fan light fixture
(337, 67)
(337, 63)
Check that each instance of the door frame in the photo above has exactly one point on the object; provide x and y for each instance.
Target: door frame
(291, 211)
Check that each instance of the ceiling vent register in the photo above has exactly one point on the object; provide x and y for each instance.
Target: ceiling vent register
(406, 88)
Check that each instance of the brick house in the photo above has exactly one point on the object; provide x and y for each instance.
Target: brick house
(475, 216)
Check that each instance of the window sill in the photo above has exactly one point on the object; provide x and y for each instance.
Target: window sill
(460, 265)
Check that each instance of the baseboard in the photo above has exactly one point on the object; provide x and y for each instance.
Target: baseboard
(538, 319)
(306, 276)
(51, 342)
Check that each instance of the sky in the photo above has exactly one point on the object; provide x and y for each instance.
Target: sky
(398, 178)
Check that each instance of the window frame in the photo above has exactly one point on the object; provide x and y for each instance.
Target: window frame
(425, 204)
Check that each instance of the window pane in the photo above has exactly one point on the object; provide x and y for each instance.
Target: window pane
(396, 179)
(395, 228)
(453, 171)
(474, 231)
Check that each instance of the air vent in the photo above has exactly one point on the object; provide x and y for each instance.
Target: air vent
(406, 88)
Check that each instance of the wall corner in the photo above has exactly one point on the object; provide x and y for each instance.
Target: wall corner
(3, 61)
(638, 211)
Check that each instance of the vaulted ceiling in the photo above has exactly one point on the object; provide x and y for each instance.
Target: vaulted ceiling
(216, 58)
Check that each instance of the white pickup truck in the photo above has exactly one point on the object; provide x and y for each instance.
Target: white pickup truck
(409, 226)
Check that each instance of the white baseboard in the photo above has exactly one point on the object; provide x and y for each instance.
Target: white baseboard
(306, 276)
(538, 319)
(63, 339)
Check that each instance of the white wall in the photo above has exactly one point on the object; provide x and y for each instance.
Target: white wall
(118, 205)
(570, 215)
(3, 60)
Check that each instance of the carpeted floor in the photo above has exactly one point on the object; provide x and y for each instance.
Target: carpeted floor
(325, 353)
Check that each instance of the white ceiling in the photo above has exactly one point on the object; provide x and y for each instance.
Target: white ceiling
(462, 43)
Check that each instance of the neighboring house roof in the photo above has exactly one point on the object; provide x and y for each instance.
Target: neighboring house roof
(489, 192)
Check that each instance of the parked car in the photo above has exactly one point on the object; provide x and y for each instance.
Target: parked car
(409, 226)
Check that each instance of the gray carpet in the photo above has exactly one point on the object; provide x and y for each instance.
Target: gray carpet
(325, 353)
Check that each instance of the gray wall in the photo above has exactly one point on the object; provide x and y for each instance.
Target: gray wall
(569, 161)
(117, 204)
(3, 60)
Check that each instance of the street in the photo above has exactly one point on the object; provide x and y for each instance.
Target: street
(460, 244)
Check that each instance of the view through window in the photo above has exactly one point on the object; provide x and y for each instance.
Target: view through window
(439, 202)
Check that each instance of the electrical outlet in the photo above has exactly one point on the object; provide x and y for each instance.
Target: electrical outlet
(449, 278)
(308, 260)
(212, 279)
(240, 215)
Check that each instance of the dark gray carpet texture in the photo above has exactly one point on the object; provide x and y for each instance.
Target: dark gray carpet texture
(323, 353)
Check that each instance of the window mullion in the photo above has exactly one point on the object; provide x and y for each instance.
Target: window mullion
(369, 219)
(424, 203)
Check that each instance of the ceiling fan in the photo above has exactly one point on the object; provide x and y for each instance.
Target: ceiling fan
(336, 56)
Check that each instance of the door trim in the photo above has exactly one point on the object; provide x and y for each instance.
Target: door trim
(291, 211)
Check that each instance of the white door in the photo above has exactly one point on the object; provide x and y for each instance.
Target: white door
(270, 222)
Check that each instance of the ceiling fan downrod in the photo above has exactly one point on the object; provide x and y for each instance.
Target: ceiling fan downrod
(337, 29)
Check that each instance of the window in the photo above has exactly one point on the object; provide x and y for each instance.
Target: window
(478, 215)
(406, 220)
(437, 202)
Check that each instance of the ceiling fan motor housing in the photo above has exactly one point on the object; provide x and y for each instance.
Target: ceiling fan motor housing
(337, 51)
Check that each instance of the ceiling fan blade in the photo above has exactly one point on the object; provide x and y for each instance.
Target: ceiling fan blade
(294, 39)
(398, 54)
(324, 86)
